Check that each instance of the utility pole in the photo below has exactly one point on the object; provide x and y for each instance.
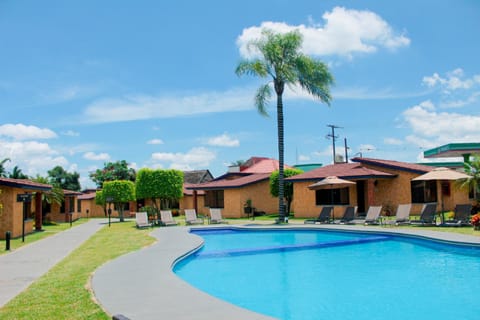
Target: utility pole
(346, 150)
(333, 136)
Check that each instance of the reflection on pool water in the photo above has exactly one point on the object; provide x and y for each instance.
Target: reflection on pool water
(300, 274)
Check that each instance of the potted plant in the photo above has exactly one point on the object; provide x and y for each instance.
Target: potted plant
(247, 207)
(476, 221)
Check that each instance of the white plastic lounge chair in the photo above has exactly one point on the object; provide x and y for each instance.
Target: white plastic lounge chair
(216, 216)
(166, 218)
(402, 216)
(191, 217)
(373, 215)
(141, 219)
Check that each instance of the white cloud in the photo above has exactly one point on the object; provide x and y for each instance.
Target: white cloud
(392, 141)
(303, 158)
(23, 132)
(31, 156)
(138, 107)
(457, 90)
(431, 128)
(223, 140)
(96, 156)
(195, 158)
(344, 32)
(70, 133)
(155, 141)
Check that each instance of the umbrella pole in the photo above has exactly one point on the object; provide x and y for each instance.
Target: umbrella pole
(333, 207)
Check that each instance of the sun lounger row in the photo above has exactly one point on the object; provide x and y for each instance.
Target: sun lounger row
(427, 216)
(166, 218)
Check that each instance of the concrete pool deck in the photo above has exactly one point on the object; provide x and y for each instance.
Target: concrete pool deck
(142, 285)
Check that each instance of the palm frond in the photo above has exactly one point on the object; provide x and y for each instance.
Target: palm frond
(262, 97)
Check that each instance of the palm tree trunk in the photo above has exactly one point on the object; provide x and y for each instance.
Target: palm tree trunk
(281, 182)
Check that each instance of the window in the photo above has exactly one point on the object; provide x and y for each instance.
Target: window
(79, 205)
(214, 199)
(424, 191)
(332, 197)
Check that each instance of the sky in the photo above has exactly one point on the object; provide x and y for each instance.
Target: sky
(87, 82)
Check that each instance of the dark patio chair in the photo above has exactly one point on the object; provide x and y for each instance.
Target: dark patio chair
(323, 217)
(427, 216)
(462, 216)
(348, 216)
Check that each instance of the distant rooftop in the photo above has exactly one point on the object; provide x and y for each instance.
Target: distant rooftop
(453, 150)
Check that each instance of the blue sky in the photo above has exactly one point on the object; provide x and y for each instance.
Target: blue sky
(153, 83)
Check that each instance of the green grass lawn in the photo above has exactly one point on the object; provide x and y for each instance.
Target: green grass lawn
(63, 292)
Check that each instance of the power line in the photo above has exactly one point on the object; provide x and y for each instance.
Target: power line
(334, 137)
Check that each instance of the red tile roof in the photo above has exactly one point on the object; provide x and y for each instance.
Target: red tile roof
(341, 170)
(231, 183)
(87, 196)
(189, 192)
(263, 165)
(391, 164)
(24, 184)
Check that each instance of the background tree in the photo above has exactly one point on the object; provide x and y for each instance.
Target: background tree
(288, 187)
(53, 196)
(64, 179)
(3, 172)
(121, 191)
(162, 186)
(118, 170)
(100, 200)
(282, 61)
(17, 173)
(472, 168)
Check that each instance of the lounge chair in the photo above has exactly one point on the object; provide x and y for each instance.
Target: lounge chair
(216, 216)
(373, 215)
(166, 218)
(348, 216)
(427, 216)
(402, 216)
(323, 217)
(462, 216)
(191, 217)
(141, 219)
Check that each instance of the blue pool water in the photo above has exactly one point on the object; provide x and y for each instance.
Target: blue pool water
(336, 275)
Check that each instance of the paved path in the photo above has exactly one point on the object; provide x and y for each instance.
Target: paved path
(20, 268)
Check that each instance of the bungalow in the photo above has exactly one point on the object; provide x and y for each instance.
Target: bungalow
(247, 182)
(378, 182)
(66, 210)
(194, 198)
(17, 215)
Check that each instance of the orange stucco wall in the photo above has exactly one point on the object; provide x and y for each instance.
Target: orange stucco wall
(12, 213)
(259, 193)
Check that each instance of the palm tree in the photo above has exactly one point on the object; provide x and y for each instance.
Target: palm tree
(17, 173)
(472, 168)
(3, 173)
(282, 61)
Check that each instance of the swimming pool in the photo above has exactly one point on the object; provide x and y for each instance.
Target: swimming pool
(305, 274)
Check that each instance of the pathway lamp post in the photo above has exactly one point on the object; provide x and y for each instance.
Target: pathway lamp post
(109, 201)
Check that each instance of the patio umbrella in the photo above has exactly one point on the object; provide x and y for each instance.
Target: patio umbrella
(442, 174)
(331, 182)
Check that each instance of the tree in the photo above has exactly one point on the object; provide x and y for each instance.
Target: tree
(288, 187)
(64, 179)
(100, 200)
(3, 172)
(282, 61)
(121, 192)
(472, 168)
(159, 185)
(17, 173)
(55, 195)
(118, 170)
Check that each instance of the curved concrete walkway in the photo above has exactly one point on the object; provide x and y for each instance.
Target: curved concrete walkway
(21, 267)
(142, 285)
